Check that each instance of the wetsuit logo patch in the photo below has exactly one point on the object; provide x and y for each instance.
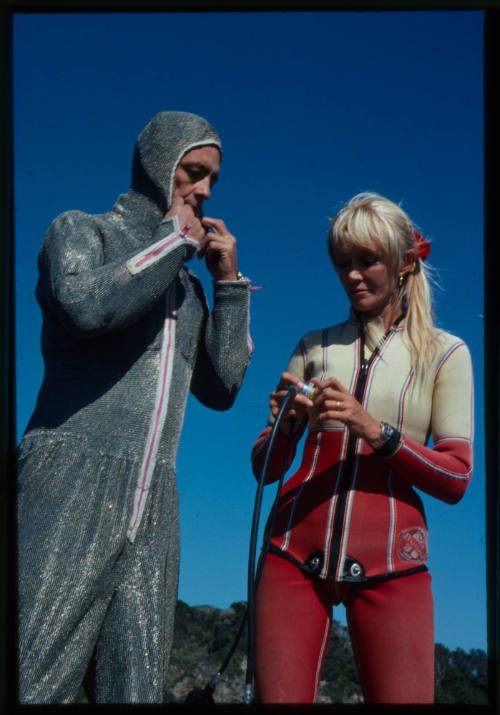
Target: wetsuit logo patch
(412, 544)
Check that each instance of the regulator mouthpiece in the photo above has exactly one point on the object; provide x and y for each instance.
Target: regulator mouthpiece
(308, 389)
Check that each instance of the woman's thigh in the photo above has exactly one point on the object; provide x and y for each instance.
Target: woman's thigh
(392, 635)
(293, 620)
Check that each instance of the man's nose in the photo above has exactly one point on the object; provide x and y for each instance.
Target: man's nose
(203, 188)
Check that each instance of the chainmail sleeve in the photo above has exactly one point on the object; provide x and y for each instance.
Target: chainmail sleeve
(226, 347)
(91, 291)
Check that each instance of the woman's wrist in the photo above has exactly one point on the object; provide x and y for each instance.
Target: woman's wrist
(388, 441)
(377, 441)
(373, 432)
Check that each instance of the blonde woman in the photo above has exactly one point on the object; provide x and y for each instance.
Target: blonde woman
(350, 527)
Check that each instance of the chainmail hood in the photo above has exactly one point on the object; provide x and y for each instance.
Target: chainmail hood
(159, 148)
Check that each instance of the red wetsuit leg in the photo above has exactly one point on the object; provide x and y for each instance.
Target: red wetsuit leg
(392, 635)
(293, 618)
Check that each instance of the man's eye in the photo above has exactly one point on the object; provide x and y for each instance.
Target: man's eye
(194, 172)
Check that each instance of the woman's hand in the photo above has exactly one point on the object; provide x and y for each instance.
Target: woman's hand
(334, 402)
(298, 406)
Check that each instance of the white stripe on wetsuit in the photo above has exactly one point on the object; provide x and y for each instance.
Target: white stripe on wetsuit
(158, 416)
(321, 658)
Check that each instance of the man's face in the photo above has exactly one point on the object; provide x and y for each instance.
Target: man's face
(195, 175)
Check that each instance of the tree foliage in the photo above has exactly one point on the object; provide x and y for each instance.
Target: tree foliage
(461, 677)
(204, 635)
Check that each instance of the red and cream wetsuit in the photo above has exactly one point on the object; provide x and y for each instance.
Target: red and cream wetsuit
(349, 515)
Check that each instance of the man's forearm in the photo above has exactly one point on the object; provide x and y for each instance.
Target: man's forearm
(227, 346)
(92, 297)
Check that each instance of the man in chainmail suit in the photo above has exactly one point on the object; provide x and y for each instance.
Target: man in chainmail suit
(126, 334)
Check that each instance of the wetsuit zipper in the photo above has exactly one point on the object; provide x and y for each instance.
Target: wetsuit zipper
(348, 471)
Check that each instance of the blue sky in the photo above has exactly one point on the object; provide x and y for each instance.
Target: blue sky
(312, 108)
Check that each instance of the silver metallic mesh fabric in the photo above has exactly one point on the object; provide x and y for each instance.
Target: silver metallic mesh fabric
(121, 350)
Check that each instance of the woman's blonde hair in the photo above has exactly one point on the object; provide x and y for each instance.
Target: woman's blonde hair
(369, 218)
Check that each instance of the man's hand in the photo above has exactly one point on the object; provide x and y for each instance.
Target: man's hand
(219, 249)
(216, 243)
(187, 217)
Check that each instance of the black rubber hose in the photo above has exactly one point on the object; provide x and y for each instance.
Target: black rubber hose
(204, 695)
(248, 697)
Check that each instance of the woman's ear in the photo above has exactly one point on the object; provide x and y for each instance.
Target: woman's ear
(410, 263)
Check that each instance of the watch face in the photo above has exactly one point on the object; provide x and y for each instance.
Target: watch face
(387, 431)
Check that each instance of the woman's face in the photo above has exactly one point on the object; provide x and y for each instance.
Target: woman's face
(369, 280)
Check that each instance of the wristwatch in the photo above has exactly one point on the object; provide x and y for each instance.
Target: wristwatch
(390, 438)
(386, 431)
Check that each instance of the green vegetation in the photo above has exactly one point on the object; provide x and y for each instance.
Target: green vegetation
(204, 635)
(461, 677)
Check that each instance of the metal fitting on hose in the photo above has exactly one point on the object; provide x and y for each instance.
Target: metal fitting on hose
(308, 389)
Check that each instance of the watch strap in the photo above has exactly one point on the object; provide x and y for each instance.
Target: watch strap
(392, 444)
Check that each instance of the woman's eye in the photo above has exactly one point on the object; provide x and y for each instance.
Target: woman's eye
(360, 262)
(341, 265)
(368, 260)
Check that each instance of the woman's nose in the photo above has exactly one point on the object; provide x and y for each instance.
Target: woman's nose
(354, 273)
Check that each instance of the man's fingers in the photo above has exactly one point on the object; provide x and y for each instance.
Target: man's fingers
(216, 224)
(220, 243)
(202, 247)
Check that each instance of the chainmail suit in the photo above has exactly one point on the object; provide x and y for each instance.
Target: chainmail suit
(126, 333)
